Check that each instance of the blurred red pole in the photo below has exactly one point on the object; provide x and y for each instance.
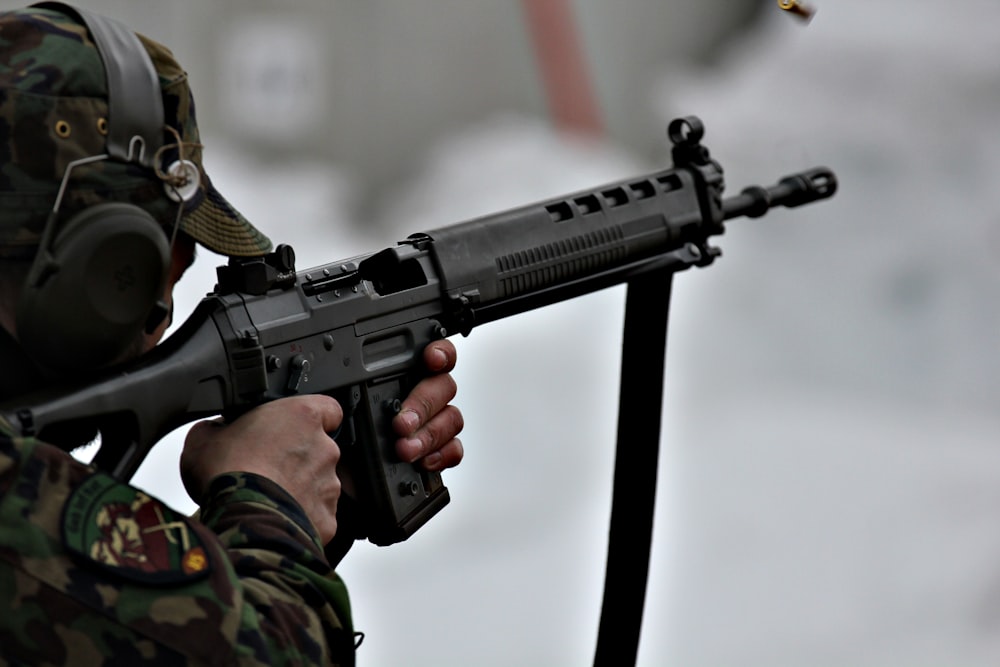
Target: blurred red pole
(572, 103)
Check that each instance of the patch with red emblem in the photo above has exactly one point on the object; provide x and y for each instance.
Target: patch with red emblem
(132, 534)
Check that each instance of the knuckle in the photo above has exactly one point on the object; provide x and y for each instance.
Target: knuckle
(431, 396)
(444, 427)
(457, 419)
(424, 406)
(449, 456)
(334, 451)
(457, 452)
(319, 409)
(449, 385)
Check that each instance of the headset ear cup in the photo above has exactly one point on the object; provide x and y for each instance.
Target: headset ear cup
(89, 295)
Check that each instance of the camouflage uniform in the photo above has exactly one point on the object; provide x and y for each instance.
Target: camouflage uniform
(94, 571)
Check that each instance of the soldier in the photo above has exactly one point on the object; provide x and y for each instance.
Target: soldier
(92, 570)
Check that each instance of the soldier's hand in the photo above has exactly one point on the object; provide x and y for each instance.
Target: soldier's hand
(427, 424)
(286, 441)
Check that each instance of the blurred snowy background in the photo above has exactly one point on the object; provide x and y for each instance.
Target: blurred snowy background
(830, 483)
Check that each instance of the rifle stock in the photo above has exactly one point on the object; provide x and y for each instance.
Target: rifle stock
(356, 329)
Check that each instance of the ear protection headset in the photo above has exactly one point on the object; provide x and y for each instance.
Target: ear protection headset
(99, 279)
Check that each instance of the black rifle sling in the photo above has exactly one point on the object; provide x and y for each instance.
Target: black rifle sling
(647, 306)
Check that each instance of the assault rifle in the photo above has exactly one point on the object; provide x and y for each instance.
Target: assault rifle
(355, 329)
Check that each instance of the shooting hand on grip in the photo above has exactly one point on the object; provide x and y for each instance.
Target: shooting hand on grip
(286, 441)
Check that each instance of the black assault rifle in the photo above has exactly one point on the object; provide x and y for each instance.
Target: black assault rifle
(355, 329)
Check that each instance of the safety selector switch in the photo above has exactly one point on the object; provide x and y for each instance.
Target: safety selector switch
(298, 372)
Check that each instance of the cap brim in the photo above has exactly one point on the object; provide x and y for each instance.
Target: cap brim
(218, 226)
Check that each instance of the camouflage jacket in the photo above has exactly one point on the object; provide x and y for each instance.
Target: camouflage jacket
(96, 572)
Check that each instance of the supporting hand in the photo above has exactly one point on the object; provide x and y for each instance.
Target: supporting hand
(285, 441)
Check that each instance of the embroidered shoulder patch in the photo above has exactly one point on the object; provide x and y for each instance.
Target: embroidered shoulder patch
(131, 534)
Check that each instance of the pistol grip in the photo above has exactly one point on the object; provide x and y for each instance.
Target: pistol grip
(393, 498)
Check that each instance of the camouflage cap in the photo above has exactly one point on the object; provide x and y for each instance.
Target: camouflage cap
(54, 110)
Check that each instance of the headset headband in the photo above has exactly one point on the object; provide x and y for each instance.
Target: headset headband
(135, 108)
